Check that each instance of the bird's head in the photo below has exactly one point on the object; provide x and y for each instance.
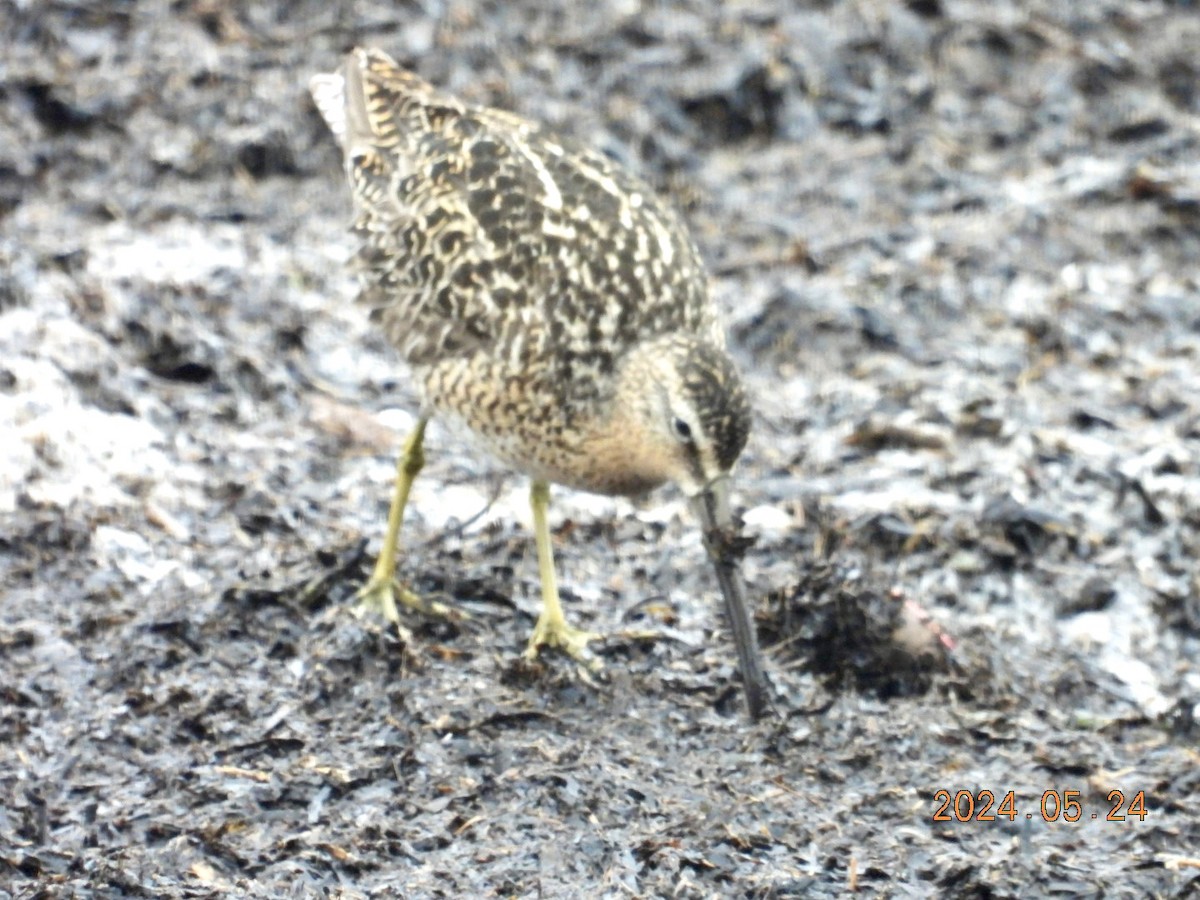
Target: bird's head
(683, 412)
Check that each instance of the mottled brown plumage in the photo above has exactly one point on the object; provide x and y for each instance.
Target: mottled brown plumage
(542, 294)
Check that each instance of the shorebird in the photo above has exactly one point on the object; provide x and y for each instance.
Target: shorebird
(547, 300)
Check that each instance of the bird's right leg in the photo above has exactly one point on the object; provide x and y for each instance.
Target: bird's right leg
(552, 629)
(380, 593)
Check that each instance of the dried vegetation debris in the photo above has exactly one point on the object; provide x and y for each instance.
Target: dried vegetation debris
(956, 243)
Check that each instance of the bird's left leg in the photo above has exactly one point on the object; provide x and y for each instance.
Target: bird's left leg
(381, 593)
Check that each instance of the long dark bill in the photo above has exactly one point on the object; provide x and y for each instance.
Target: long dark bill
(721, 540)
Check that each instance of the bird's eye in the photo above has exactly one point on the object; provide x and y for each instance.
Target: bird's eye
(683, 430)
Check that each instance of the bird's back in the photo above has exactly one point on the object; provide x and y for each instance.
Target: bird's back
(484, 234)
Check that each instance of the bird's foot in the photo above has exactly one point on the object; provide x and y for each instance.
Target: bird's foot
(552, 632)
(380, 596)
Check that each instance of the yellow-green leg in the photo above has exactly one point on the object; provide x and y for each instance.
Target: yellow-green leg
(552, 629)
(380, 593)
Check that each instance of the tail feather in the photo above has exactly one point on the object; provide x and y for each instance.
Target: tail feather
(372, 103)
(329, 94)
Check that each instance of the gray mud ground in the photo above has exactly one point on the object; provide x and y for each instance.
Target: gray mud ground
(957, 243)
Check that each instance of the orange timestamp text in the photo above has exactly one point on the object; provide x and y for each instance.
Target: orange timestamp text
(1055, 806)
